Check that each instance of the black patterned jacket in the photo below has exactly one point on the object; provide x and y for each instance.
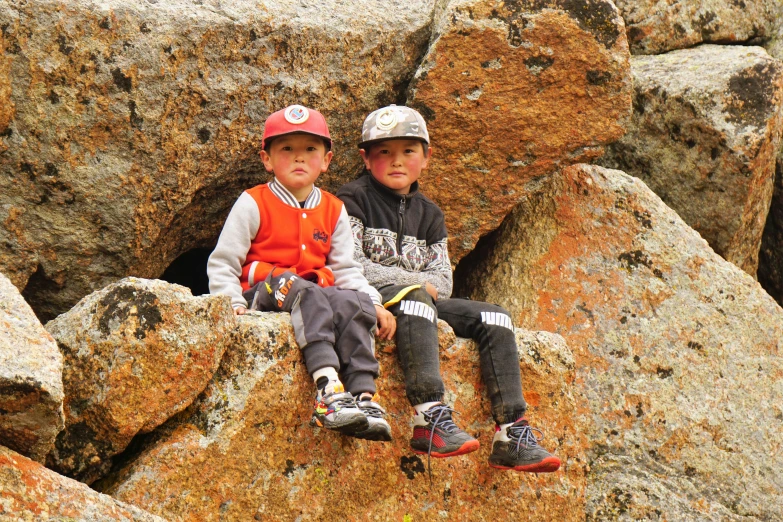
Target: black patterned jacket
(399, 240)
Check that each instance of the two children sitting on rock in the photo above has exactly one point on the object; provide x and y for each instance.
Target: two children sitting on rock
(288, 246)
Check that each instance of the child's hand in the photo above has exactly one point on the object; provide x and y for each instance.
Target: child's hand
(240, 310)
(387, 323)
(432, 291)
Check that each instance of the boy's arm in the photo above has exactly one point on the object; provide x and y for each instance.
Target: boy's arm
(437, 271)
(225, 263)
(347, 272)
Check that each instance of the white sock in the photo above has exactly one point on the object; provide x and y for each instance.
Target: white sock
(501, 433)
(418, 419)
(333, 384)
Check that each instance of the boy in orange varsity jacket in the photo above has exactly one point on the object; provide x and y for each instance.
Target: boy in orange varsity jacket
(287, 246)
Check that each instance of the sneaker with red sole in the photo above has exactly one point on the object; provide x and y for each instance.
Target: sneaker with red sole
(435, 434)
(516, 448)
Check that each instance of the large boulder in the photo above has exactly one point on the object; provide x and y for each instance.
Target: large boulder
(657, 26)
(29, 491)
(678, 352)
(135, 124)
(511, 91)
(245, 451)
(31, 385)
(136, 353)
(704, 136)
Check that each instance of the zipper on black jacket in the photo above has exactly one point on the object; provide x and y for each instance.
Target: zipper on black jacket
(401, 230)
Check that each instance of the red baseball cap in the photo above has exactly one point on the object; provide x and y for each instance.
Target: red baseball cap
(296, 119)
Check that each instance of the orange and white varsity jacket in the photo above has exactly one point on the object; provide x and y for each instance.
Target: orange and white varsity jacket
(267, 230)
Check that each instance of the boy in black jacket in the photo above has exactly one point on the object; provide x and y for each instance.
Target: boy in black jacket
(400, 239)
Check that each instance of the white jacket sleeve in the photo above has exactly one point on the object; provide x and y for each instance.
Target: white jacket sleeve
(225, 263)
(347, 271)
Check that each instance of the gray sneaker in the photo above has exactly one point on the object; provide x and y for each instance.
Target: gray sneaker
(378, 429)
(517, 449)
(338, 411)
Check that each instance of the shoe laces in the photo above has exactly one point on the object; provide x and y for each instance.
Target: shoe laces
(523, 433)
(343, 400)
(442, 419)
(371, 409)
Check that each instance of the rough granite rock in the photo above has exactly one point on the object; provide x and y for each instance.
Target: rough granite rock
(658, 26)
(136, 353)
(678, 352)
(29, 492)
(511, 91)
(135, 124)
(31, 385)
(245, 450)
(704, 137)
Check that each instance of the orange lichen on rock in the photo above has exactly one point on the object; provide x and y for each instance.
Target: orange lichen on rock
(244, 449)
(512, 91)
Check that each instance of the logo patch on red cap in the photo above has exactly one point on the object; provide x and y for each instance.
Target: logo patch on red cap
(296, 114)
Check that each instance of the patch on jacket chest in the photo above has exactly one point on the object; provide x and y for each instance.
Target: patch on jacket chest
(318, 235)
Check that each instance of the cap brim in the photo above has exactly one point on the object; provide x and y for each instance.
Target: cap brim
(370, 142)
(266, 142)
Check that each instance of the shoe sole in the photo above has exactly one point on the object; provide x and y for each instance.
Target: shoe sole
(467, 447)
(548, 465)
(376, 434)
(347, 428)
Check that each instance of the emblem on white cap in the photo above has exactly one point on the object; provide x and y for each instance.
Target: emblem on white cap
(386, 119)
(296, 114)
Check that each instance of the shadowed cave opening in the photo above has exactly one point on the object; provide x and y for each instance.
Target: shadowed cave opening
(190, 270)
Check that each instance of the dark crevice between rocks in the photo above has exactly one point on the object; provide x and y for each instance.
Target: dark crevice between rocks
(469, 264)
(770, 271)
(35, 292)
(132, 452)
(190, 270)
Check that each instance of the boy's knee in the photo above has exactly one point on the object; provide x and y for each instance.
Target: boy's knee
(419, 303)
(494, 315)
(351, 304)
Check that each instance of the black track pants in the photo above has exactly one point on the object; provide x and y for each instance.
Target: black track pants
(489, 325)
(334, 327)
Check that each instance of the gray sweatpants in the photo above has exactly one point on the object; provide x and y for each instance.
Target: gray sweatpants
(334, 327)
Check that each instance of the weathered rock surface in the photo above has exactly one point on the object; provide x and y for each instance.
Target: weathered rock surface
(678, 353)
(244, 450)
(657, 26)
(136, 353)
(134, 125)
(704, 137)
(31, 385)
(30, 492)
(512, 91)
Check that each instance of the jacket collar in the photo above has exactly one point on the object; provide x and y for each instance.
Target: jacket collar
(390, 194)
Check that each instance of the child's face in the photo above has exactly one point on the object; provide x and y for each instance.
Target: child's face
(297, 160)
(397, 164)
